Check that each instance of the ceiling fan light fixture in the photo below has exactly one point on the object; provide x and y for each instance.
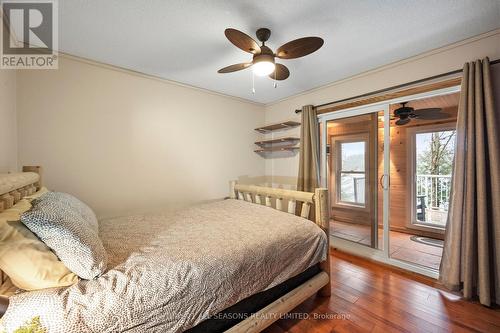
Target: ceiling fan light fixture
(263, 68)
(263, 65)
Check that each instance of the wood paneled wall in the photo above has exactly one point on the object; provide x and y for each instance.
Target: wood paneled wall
(399, 193)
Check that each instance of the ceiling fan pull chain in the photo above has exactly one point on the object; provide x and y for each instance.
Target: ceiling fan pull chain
(275, 84)
(253, 83)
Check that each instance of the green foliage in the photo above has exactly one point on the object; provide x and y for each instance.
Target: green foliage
(32, 326)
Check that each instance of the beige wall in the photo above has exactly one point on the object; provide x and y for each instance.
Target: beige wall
(283, 171)
(124, 142)
(8, 122)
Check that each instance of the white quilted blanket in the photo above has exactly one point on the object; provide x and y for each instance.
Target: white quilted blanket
(169, 272)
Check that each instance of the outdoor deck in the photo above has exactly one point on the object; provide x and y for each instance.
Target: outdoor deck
(402, 247)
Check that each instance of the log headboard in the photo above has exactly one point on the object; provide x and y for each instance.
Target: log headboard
(15, 186)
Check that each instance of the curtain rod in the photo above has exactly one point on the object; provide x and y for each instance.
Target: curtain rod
(397, 86)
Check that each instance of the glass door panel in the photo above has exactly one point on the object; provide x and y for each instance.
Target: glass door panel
(421, 158)
(353, 160)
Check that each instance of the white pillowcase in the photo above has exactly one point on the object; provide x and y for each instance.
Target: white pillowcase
(69, 228)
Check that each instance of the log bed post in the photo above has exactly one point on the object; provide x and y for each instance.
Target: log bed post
(323, 221)
(232, 190)
(36, 169)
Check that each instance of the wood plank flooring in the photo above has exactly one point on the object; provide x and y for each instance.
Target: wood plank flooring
(369, 297)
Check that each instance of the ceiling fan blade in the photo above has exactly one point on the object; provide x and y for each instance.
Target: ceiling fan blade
(429, 110)
(242, 40)
(403, 121)
(280, 73)
(235, 67)
(299, 47)
(431, 114)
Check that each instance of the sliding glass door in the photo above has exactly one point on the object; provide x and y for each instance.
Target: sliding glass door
(389, 178)
(353, 170)
(422, 157)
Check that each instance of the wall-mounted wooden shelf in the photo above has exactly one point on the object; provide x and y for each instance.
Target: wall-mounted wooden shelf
(273, 149)
(279, 126)
(287, 140)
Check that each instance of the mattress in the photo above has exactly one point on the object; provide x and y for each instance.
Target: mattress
(168, 273)
(244, 309)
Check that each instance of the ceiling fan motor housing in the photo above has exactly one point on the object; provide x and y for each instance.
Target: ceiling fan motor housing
(263, 34)
(403, 111)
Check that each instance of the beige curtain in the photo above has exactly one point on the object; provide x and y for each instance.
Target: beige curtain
(308, 179)
(471, 254)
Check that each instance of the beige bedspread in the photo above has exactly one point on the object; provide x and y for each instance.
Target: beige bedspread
(169, 272)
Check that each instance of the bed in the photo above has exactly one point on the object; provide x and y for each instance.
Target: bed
(234, 265)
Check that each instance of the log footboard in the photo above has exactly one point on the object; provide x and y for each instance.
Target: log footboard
(302, 204)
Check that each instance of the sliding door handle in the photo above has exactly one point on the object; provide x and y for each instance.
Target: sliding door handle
(384, 181)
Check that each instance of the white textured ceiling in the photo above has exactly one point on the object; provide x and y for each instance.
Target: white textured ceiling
(183, 40)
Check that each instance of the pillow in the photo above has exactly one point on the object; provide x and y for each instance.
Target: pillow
(72, 238)
(77, 205)
(26, 260)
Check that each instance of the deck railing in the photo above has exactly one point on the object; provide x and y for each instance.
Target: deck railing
(435, 189)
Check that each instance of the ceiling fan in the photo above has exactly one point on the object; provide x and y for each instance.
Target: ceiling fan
(407, 113)
(263, 62)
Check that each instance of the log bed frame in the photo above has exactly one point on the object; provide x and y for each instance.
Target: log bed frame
(10, 193)
(320, 283)
(316, 202)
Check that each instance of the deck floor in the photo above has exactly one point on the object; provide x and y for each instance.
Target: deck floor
(401, 246)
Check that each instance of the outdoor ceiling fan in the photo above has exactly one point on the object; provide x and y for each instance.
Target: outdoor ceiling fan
(407, 113)
(263, 62)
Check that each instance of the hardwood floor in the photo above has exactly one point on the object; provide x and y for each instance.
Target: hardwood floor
(368, 297)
